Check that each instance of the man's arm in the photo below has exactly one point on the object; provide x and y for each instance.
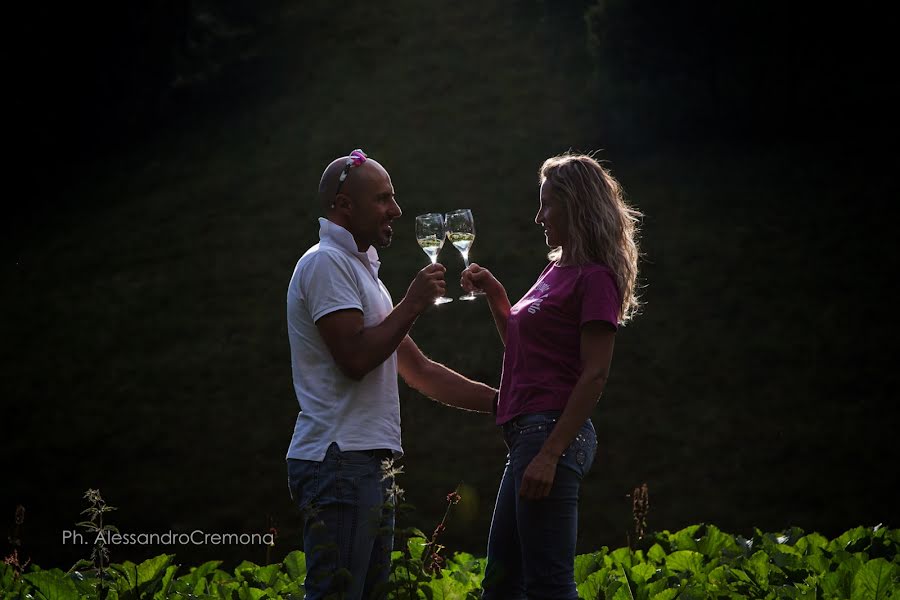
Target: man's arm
(440, 383)
(358, 349)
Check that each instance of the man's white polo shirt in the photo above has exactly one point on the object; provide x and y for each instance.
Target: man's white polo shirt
(358, 415)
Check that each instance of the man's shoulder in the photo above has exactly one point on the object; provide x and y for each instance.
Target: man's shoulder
(324, 255)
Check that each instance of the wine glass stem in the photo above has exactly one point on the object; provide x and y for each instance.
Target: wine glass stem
(465, 256)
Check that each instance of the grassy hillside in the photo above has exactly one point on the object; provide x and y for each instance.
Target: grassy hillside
(145, 348)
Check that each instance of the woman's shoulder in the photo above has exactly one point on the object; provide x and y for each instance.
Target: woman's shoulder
(596, 267)
(591, 269)
(598, 275)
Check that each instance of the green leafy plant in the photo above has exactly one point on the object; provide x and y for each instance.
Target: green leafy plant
(97, 508)
(699, 561)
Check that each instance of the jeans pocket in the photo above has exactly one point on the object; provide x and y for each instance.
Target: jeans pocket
(580, 454)
(303, 481)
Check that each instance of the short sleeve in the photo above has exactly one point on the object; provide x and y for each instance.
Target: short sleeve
(329, 284)
(600, 298)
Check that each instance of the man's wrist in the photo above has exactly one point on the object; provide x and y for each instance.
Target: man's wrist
(410, 308)
(495, 402)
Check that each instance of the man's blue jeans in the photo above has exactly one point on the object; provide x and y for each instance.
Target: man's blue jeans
(348, 525)
(531, 547)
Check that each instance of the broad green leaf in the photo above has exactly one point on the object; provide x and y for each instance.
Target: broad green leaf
(686, 538)
(268, 575)
(840, 581)
(666, 594)
(740, 575)
(656, 587)
(812, 543)
(295, 565)
(643, 572)
(685, 560)
(197, 574)
(248, 592)
(833, 585)
(786, 549)
(874, 581)
(53, 584)
(718, 577)
(757, 567)
(693, 591)
(127, 574)
(619, 590)
(850, 539)
(447, 588)
(416, 547)
(245, 569)
(590, 587)
(786, 557)
(629, 582)
(585, 564)
(713, 541)
(463, 559)
(226, 589)
(150, 574)
(166, 582)
(656, 553)
(622, 556)
(6, 576)
(466, 569)
(818, 563)
(891, 534)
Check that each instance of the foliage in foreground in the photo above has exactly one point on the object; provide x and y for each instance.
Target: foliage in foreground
(697, 562)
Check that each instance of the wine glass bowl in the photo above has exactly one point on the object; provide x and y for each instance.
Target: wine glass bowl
(431, 233)
(460, 225)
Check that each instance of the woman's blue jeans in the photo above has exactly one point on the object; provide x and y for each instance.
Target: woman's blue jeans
(348, 524)
(531, 546)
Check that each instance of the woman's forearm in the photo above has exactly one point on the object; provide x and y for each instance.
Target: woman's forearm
(578, 410)
(500, 307)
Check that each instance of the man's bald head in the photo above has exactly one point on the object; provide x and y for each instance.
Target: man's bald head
(358, 181)
(364, 205)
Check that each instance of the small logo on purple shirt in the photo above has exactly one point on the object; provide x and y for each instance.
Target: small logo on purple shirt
(542, 288)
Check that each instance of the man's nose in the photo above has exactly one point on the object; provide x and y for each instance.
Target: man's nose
(395, 209)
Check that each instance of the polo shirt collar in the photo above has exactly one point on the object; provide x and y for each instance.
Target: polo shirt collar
(332, 234)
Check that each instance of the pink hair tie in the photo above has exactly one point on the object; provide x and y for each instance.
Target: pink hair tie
(358, 157)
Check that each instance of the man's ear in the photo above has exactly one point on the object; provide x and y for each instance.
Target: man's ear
(343, 203)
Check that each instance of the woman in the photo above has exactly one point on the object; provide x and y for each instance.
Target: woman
(559, 345)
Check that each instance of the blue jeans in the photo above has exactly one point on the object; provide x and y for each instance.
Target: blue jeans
(531, 547)
(348, 524)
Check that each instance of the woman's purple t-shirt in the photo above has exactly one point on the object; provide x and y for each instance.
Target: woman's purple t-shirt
(542, 362)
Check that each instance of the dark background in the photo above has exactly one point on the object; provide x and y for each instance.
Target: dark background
(162, 161)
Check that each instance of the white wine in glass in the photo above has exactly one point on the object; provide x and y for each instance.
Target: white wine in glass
(430, 234)
(461, 231)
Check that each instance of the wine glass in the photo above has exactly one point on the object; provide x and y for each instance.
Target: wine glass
(461, 231)
(430, 234)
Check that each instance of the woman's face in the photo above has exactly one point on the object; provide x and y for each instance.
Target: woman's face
(553, 218)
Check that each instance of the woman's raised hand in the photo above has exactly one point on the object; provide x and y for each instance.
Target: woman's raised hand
(476, 277)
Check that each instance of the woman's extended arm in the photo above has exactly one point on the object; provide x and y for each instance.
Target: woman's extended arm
(476, 277)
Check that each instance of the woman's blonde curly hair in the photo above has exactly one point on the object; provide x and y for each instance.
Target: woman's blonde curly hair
(603, 228)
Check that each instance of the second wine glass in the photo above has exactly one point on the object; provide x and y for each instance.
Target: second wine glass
(430, 234)
(461, 231)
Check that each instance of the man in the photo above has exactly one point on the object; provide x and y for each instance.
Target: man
(348, 343)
